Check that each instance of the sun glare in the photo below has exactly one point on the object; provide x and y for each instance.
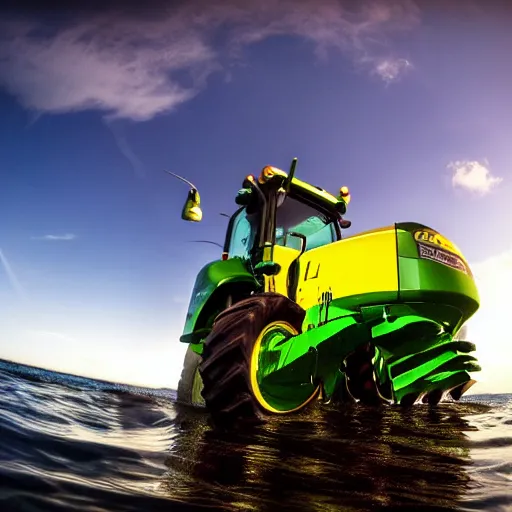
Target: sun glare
(488, 328)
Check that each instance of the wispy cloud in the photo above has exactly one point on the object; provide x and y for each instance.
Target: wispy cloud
(473, 176)
(67, 236)
(391, 69)
(126, 150)
(51, 334)
(11, 276)
(139, 66)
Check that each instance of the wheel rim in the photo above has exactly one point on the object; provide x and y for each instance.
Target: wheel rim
(269, 388)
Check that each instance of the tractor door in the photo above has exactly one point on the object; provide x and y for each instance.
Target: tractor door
(298, 217)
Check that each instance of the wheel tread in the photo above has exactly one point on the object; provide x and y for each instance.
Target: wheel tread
(227, 352)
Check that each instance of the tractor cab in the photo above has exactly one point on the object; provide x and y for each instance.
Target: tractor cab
(295, 222)
(294, 218)
(281, 218)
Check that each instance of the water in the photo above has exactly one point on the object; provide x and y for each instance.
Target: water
(71, 444)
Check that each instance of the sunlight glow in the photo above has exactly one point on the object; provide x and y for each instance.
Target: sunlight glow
(489, 327)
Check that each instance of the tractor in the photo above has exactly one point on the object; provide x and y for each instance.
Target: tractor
(295, 312)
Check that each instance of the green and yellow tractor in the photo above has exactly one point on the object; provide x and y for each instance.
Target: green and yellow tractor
(294, 312)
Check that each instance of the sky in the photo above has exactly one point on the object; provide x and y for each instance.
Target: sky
(406, 103)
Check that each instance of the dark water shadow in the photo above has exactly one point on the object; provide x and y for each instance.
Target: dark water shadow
(327, 459)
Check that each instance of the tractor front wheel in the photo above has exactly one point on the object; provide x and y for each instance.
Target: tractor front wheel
(241, 384)
(190, 384)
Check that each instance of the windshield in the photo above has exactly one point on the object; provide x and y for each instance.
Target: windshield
(294, 215)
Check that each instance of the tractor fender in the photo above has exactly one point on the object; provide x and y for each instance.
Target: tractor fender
(213, 282)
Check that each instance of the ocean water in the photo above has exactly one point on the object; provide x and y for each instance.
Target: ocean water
(72, 444)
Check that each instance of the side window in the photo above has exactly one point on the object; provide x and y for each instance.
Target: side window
(242, 236)
(325, 235)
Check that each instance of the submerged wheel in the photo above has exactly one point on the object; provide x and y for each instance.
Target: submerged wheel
(190, 384)
(362, 382)
(240, 358)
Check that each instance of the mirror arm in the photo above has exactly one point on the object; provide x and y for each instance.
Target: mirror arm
(191, 185)
(303, 241)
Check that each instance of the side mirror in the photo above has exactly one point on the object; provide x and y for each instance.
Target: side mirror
(192, 207)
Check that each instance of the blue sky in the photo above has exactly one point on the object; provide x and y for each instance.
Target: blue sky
(407, 104)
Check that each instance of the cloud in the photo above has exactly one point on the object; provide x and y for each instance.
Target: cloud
(126, 150)
(51, 334)
(473, 176)
(391, 70)
(67, 236)
(133, 65)
(11, 276)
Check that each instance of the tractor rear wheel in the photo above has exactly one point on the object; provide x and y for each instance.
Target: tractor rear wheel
(237, 361)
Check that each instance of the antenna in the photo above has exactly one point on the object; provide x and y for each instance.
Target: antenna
(208, 242)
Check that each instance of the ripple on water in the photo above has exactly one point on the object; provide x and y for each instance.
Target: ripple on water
(67, 448)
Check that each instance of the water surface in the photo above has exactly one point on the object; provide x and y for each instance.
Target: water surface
(72, 444)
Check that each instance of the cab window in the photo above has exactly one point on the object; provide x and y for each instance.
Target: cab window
(294, 215)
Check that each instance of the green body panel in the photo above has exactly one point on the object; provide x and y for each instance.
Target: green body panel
(412, 329)
(213, 277)
(432, 283)
(290, 368)
(414, 355)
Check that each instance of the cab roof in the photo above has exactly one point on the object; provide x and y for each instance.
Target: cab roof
(314, 193)
(311, 193)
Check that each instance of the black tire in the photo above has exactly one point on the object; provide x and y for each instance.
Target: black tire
(360, 374)
(226, 365)
(190, 384)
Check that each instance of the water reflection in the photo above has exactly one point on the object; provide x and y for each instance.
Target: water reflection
(70, 450)
(327, 459)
